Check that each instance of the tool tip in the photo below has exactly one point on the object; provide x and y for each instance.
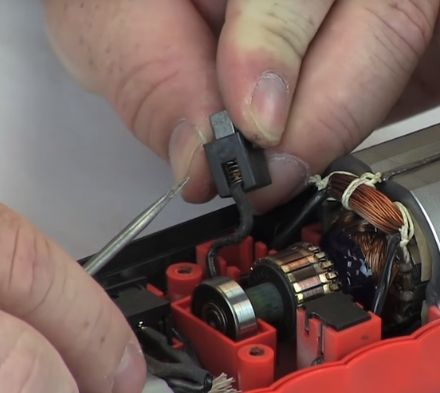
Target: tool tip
(177, 188)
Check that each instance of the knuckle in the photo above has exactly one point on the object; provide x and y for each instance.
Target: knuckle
(417, 25)
(22, 264)
(284, 28)
(137, 94)
(137, 88)
(408, 24)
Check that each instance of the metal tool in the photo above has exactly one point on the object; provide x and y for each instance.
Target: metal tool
(99, 260)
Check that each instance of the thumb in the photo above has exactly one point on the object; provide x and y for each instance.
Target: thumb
(261, 50)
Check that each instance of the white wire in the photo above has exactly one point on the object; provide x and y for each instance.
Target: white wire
(406, 230)
(322, 183)
(369, 179)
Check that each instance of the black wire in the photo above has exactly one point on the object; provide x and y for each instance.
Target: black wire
(283, 239)
(184, 386)
(385, 278)
(245, 227)
(174, 366)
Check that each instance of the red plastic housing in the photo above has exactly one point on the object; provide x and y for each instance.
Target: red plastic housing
(233, 260)
(401, 365)
(333, 344)
(182, 278)
(256, 366)
(433, 313)
(312, 234)
(355, 360)
(217, 352)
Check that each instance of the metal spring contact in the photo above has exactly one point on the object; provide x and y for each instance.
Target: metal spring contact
(308, 270)
(233, 172)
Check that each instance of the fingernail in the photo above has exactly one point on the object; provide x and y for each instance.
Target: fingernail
(184, 142)
(131, 373)
(270, 106)
(289, 176)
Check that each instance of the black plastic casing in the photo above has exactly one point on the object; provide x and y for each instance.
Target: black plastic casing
(336, 310)
(230, 146)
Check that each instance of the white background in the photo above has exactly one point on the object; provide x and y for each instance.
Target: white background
(66, 162)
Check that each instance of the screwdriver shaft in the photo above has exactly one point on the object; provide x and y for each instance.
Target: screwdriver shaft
(131, 231)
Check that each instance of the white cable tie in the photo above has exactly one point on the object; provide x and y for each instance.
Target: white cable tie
(406, 231)
(322, 183)
(369, 179)
(319, 182)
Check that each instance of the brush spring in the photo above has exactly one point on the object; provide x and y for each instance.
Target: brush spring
(233, 172)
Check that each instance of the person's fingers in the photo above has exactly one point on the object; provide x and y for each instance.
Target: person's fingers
(155, 62)
(261, 48)
(28, 362)
(213, 12)
(47, 289)
(353, 74)
(260, 55)
(423, 90)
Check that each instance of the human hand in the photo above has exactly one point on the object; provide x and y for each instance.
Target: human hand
(308, 80)
(59, 331)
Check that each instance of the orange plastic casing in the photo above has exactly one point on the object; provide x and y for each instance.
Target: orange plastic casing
(215, 351)
(332, 345)
(182, 278)
(400, 365)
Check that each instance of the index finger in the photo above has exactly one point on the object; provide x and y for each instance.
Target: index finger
(354, 73)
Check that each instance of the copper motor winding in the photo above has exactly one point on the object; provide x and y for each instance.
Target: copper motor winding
(306, 267)
(369, 203)
(373, 218)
